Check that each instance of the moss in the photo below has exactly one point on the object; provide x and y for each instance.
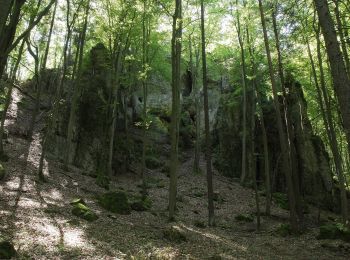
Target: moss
(7, 250)
(175, 234)
(153, 163)
(77, 201)
(2, 172)
(334, 231)
(244, 218)
(116, 202)
(284, 230)
(82, 211)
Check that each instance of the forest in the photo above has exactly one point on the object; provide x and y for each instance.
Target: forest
(174, 129)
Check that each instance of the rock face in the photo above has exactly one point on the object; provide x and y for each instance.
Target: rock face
(312, 162)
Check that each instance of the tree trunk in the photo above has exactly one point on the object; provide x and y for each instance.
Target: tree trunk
(282, 135)
(76, 91)
(288, 124)
(4, 13)
(207, 127)
(339, 74)
(8, 34)
(176, 46)
(332, 136)
(244, 86)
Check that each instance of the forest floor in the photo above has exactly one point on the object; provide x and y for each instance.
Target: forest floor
(37, 216)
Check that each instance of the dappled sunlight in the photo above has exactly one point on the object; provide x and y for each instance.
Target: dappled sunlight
(34, 151)
(53, 195)
(76, 238)
(29, 203)
(215, 238)
(12, 111)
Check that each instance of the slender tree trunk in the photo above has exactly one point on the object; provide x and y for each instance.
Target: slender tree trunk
(4, 13)
(43, 67)
(339, 74)
(244, 86)
(76, 91)
(176, 46)
(145, 39)
(194, 72)
(207, 127)
(263, 129)
(288, 123)
(332, 136)
(282, 135)
(342, 37)
(8, 33)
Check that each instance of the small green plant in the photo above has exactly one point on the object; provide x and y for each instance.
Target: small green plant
(284, 230)
(115, 201)
(334, 231)
(175, 234)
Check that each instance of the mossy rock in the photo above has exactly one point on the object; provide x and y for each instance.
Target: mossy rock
(82, 211)
(7, 250)
(244, 218)
(284, 230)
(116, 202)
(77, 201)
(334, 231)
(281, 200)
(153, 163)
(2, 172)
(141, 204)
(175, 234)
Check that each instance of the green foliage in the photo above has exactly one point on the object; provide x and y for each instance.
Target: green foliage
(244, 218)
(7, 250)
(140, 203)
(281, 200)
(116, 202)
(334, 231)
(284, 230)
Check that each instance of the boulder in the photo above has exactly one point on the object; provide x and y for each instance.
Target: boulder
(7, 250)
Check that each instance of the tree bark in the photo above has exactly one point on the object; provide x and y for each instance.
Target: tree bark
(339, 74)
(211, 216)
(176, 46)
(282, 135)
